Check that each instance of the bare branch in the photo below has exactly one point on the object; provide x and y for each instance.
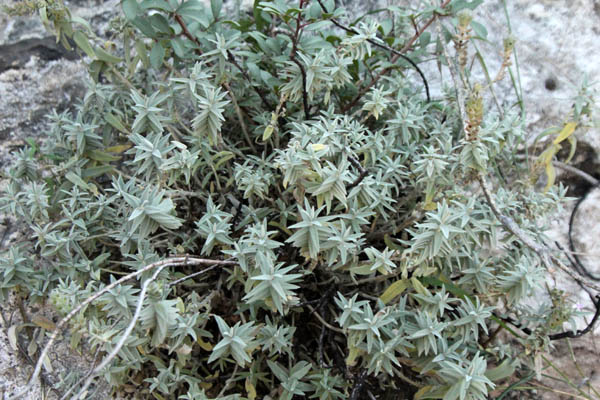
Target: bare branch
(231, 59)
(362, 172)
(126, 333)
(187, 33)
(293, 52)
(321, 320)
(576, 171)
(169, 262)
(542, 251)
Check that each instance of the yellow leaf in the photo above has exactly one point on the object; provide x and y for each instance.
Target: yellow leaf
(544, 159)
(101, 156)
(204, 345)
(395, 289)
(280, 226)
(12, 336)
(383, 271)
(362, 269)
(268, 132)
(93, 189)
(567, 131)
(421, 392)
(250, 389)
(352, 356)
(318, 146)
(119, 148)
(430, 206)
(320, 199)
(180, 305)
(269, 303)
(573, 142)
(551, 175)
(223, 157)
(47, 364)
(418, 286)
(43, 322)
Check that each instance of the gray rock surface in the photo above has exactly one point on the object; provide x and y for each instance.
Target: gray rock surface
(557, 46)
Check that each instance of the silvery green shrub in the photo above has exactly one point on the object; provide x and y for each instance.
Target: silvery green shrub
(367, 258)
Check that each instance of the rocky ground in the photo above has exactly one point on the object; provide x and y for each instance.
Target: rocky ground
(557, 46)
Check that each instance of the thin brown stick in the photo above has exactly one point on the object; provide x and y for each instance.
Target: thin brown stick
(298, 63)
(377, 278)
(576, 171)
(187, 33)
(362, 172)
(231, 59)
(569, 168)
(228, 382)
(405, 378)
(321, 320)
(193, 275)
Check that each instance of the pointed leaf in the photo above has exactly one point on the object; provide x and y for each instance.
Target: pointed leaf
(76, 180)
(502, 371)
(101, 156)
(550, 175)
(157, 55)
(567, 130)
(82, 41)
(394, 290)
(115, 122)
(96, 171)
(215, 7)
(573, 142)
(131, 9)
(105, 56)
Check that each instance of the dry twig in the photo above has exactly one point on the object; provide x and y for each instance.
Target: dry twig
(545, 253)
(169, 262)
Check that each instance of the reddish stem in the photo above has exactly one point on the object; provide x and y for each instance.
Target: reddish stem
(187, 33)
